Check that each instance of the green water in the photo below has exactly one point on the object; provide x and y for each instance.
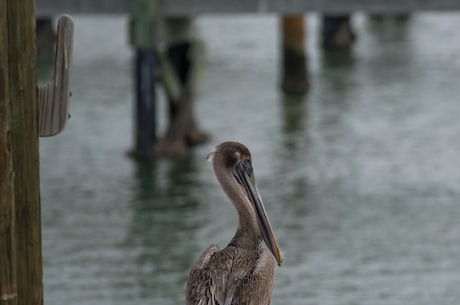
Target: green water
(360, 178)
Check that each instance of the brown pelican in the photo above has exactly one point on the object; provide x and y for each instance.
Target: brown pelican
(243, 272)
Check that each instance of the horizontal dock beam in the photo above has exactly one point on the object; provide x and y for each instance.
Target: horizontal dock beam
(197, 7)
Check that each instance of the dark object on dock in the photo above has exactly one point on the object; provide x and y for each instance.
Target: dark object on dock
(337, 33)
(294, 75)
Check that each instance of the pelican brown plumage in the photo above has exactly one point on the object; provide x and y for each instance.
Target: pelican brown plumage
(243, 272)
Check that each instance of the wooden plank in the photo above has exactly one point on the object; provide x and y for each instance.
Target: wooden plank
(194, 7)
(53, 98)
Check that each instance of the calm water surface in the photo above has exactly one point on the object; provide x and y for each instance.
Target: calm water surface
(360, 178)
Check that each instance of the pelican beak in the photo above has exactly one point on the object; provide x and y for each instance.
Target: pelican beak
(244, 174)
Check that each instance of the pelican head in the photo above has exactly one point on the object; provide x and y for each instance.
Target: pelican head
(233, 168)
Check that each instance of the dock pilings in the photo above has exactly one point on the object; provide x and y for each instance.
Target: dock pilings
(294, 59)
(8, 281)
(337, 32)
(143, 39)
(181, 64)
(175, 63)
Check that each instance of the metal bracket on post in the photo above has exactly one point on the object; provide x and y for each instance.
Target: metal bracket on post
(53, 97)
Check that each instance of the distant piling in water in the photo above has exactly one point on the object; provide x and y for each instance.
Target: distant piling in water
(143, 39)
(177, 66)
(337, 33)
(294, 75)
(181, 65)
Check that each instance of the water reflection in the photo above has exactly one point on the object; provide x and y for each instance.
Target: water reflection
(293, 113)
(161, 232)
(344, 59)
(294, 120)
(289, 190)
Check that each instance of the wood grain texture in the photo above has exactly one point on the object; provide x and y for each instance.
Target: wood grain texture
(8, 287)
(24, 134)
(53, 97)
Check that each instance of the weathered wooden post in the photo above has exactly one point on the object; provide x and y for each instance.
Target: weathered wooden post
(181, 65)
(294, 76)
(337, 33)
(8, 281)
(142, 37)
(21, 274)
(22, 92)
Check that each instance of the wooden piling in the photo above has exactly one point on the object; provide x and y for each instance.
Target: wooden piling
(22, 93)
(294, 76)
(179, 69)
(337, 33)
(142, 37)
(145, 102)
(8, 286)
(181, 66)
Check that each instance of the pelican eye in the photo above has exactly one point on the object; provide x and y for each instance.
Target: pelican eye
(248, 165)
